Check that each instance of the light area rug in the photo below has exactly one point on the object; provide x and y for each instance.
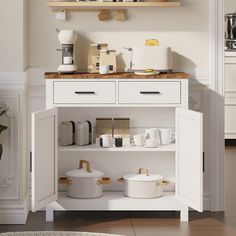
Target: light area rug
(55, 233)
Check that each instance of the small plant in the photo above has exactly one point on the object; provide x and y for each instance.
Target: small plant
(3, 110)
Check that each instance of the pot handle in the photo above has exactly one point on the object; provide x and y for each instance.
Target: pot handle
(143, 170)
(121, 180)
(87, 163)
(64, 180)
(104, 180)
(163, 182)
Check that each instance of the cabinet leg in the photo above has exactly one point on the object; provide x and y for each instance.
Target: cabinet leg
(49, 214)
(184, 215)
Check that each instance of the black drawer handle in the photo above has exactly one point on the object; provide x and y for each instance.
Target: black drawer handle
(84, 92)
(150, 92)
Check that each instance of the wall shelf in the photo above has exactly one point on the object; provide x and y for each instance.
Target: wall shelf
(108, 5)
(104, 8)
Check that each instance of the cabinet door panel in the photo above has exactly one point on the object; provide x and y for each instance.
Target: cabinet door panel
(189, 160)
(44, 158)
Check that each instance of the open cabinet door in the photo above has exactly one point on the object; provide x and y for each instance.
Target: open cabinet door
(189, 158)
(44, 158)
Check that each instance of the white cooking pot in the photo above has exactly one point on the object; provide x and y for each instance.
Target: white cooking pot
(143, 185)
(84, 183)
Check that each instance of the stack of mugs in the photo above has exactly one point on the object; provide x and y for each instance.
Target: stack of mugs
(154, 137)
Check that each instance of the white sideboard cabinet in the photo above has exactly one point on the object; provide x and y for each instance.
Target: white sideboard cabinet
(148, 102)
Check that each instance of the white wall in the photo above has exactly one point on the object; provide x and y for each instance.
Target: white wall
(13, 62)
(185, 29)
(230, 6)
(11, 36)
(25, 35)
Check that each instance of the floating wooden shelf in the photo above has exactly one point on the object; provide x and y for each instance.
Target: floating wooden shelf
(109, 5)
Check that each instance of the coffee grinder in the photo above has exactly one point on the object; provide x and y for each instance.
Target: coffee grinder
(67, 39)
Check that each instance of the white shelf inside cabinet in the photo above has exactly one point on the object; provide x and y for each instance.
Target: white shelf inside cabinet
(93, 148)
(117, 201)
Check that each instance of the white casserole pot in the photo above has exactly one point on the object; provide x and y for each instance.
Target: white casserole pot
(84, 183)
(143, 185)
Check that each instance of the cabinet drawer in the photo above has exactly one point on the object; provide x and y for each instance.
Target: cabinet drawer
(84, 92)
(150, 92)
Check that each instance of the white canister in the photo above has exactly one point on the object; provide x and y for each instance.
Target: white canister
(67, 133)
(83, 133)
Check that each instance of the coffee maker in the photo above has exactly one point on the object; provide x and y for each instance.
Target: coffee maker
(230, 31)
(67, 39)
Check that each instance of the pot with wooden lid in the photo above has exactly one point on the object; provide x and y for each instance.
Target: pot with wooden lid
(143, 184)
(84, 182)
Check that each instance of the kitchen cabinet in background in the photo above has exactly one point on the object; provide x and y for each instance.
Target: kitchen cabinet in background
(230, 95)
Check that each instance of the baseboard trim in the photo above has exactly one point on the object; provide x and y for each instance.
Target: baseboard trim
(16, 214)
(206, 203)
(230, 142)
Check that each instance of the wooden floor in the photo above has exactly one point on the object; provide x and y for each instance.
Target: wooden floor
(230, 181)
(131, 224)
(144, 223)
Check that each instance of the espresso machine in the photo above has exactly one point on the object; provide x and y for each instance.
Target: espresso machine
(230, 31)
(67, 39)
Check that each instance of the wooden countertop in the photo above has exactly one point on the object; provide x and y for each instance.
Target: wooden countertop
(122, 75)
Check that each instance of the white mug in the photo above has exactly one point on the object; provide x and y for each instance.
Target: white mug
(126, 141)
(152, 143)
(103, 70)
(151, 133)
(166, 136)
(105, 141)
(139, 139)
